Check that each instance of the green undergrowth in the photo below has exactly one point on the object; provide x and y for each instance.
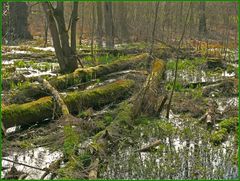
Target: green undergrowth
(186, 64)
(226, 127)
(31, 48)
(104, 59)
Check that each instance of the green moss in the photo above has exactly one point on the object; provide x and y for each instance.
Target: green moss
(25, 114)
(97, 97)
(71, 139)
(186, 64)
(166, 129)
(178, 86)
(37, 111)
(219, 136)
(230, 69)
(25, 144)
(229, 124)
(71, 170)
(83, 75)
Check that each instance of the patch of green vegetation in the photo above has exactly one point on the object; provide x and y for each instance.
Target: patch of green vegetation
(72, 169)
(20, 85)
(197, 92)
(71, 140)
(105, 59)
(186, 64)
(178, 86)
(138, 45)
(219, 136)
(229, 124)
(230, 69)
(25, 144)
(153, 127)
(167, 129)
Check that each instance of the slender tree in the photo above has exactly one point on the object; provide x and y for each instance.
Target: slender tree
(99, 24)
(92, 32)
(123, 26)
(82, 24)
(176, 67)
(202, 28)
(109, 28)
(154, 28)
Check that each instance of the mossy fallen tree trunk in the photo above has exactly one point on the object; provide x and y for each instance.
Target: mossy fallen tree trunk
(82, 75)
(86, 74)
(30, 113)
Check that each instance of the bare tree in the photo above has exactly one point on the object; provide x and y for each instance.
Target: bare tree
(122, 15)
(99, 24)
(18, 21)
(82, 24)
(65, 53)
(176, 67)
(92, 33)
(202, 28)
(154, 28)
(109, 28)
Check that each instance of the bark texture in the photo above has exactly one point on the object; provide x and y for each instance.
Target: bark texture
(18, 21)
(65, 53)
(109, 28)
(151, 97)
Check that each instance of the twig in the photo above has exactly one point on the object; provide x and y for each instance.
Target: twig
(5, 159)
(149, 147)
(79, 61)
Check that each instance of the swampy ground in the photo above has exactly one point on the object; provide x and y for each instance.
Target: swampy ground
(198, 141)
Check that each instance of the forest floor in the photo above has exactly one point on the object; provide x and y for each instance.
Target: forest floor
(198, 141)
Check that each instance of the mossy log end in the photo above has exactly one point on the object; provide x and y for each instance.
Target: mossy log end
(151, 97)
(85, 74)
(30, 113)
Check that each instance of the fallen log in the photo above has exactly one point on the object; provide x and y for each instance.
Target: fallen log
(41, 109)
(114, 52)
(227, 87)
(30, 92)
(27, 93)
(86, 74)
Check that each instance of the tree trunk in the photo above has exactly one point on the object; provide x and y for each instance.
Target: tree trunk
(45, 32)
(82, 24)
(18, 21)
(99, 24)
(74, 19)
(109, 28)
(65, 54)
(154, 28)
(202, 19)
(151, 97)
(122, 12)
(41, 109)
(92, 33)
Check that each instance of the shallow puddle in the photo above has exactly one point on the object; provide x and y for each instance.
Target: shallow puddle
(39, 157)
